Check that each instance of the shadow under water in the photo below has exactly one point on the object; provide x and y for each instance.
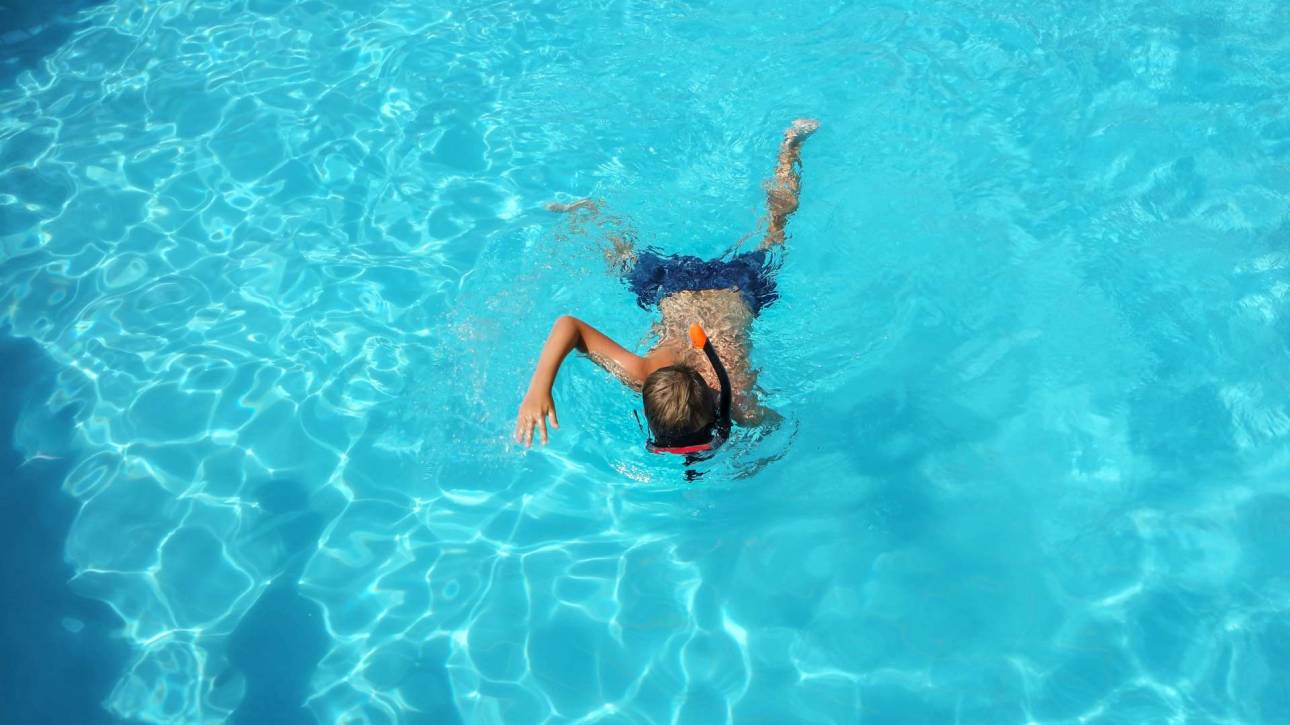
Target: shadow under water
(62, 655)
(29, 31)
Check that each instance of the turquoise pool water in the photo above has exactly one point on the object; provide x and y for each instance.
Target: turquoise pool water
(292, 261)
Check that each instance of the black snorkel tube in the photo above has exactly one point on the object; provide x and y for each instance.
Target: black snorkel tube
(708, 438)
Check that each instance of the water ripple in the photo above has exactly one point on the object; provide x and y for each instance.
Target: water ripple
(293, 259)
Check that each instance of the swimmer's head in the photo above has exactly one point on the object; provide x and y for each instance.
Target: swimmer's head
(678, 403)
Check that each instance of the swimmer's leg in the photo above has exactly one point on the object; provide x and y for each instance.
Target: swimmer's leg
(782, 190)
(621, 252)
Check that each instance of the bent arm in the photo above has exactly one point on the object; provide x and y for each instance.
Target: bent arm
(569, 333)
(537, 408)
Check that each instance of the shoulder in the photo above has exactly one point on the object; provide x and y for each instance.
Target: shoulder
(661, 356)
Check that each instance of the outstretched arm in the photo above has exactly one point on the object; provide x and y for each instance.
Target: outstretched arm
(568, 333)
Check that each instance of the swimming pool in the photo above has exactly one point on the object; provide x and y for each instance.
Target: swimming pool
(291, 264)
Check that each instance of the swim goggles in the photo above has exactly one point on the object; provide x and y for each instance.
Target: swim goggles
(715, 433)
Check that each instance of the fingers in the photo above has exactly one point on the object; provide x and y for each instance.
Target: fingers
(526, 425)
(524, 431)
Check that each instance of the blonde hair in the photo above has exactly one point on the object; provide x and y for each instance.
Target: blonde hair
(678, 402)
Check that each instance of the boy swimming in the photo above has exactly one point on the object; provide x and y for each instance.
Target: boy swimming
(697, 379)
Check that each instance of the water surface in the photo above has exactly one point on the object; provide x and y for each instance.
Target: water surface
(292, 264)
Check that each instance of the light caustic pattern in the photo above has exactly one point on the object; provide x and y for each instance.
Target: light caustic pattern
(293, 261)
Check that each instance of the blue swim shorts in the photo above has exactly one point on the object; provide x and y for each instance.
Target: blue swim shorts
(655, 276)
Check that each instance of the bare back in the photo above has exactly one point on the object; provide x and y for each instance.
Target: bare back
(726, 318)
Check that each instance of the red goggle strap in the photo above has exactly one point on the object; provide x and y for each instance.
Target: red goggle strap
(682, 450)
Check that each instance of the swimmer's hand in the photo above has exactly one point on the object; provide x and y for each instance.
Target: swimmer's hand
(749, 413)
(537, 409)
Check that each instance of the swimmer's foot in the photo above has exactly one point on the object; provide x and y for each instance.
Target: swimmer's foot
(799, 131)
(589, 204)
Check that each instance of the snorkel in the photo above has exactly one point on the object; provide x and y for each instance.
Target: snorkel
(715, 433)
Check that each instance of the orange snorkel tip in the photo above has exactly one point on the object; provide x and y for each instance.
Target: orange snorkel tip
(698, 337)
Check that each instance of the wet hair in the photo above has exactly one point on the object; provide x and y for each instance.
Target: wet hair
(678, 402)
